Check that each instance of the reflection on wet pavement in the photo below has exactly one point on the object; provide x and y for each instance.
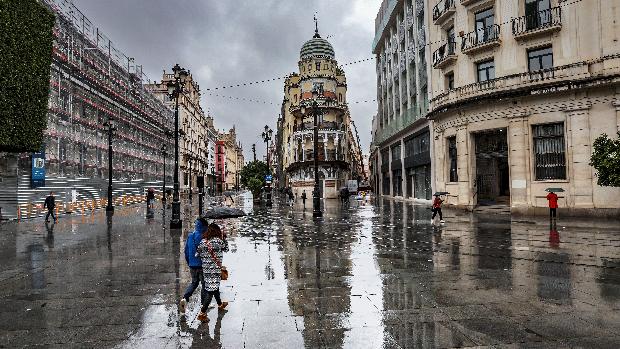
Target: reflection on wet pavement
(367, 276)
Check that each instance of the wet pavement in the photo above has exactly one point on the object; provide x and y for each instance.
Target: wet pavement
(370, 276)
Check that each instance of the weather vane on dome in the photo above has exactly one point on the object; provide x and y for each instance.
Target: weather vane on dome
(316, 27)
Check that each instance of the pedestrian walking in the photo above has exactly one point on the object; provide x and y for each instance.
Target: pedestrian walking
(437, 209)
(211, 251)
(290, 196)
(150, 198)
(553, 204)
(50, 204)
(194, 262)
(303, 198)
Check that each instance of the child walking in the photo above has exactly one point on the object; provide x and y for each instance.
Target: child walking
(211, 251)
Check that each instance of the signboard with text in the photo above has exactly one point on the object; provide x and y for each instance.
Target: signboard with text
(37, 176)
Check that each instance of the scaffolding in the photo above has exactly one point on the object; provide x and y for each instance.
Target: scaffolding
(92, 81)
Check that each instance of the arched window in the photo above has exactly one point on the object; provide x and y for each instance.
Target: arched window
(340, 97)
(318, 65)
(295, 98)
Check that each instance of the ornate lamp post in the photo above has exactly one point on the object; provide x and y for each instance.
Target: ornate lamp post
(267, 134)
(316, 193)
(164, 153)
(174, 90)
(111, 128)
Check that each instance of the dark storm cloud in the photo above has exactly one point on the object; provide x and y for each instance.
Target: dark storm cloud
(226, 42)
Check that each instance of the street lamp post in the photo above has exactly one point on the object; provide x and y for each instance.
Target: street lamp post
(164, 153)
(174, 90)
(111, 128)
(267, 134)
(316, 193)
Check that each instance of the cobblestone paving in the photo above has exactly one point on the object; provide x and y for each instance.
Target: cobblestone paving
(368, 276)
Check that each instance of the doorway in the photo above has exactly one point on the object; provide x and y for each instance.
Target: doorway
(492, 171)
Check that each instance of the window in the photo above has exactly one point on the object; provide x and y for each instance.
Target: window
(409, 148)
(318, 66)
(395, 152)
(450, 34)
(486, 70)
(452, 154)
(537, 13)
(450, 81)
(484, 20)
(539, 59)
(549, 153)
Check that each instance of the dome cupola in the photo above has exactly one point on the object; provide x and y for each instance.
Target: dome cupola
(317, 47)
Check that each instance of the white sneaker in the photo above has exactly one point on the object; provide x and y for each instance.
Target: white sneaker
(442, 221)
(432, 221)
(182, 304)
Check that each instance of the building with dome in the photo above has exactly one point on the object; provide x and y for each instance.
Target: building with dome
(339, 153)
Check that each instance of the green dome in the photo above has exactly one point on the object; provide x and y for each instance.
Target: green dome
(315, 47)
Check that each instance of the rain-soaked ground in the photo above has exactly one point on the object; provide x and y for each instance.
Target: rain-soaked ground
(364, 277)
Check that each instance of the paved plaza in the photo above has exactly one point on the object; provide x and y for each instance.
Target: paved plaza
(368, 276)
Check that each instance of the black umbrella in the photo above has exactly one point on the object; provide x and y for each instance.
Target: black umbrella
(555, 190)
(223, 212)
(228, 193)
(439, 193)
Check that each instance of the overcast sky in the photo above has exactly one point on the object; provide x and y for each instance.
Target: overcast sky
(225, 42)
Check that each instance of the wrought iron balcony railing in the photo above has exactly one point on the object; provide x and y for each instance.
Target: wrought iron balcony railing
(443, 7)
(550, 18)
(444, 53)
(480, 38)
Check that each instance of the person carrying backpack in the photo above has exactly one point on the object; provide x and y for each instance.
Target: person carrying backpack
(194, 262)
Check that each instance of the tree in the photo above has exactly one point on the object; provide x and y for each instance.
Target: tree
(606, 160)
(253, 176)
(25, 60)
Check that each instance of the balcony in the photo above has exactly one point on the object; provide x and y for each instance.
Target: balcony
(542, 22)
(443, 10)
(325, 125)
(468, 2)
(542, 81)
(444, 55)
(481, 39)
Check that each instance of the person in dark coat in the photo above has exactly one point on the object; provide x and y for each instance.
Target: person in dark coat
(303, 198)
(50, 204)
(194, 262)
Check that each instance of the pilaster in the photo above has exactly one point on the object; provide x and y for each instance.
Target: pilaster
(518, 159)
(580, 173)
(465, 182)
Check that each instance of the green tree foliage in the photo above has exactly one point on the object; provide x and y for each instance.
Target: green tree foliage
(253, 176)
(606, 160)
(25, 59)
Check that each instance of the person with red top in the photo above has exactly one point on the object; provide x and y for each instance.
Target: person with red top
(553, 204)
(437, 209)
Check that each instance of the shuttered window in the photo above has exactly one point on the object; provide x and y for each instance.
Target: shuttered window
(549, 151)
(452, 156)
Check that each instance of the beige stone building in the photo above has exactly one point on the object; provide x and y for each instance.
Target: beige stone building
(196, 129)
(519, 91)
(229, 161)
(337, 146)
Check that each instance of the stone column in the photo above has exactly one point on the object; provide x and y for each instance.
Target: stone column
(616, 103)
(518, 159)
(465, 181)
(579, 172)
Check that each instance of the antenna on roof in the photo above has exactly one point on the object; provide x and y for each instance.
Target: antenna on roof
(316, 27)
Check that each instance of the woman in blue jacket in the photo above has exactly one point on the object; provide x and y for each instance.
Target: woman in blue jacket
(194, 262)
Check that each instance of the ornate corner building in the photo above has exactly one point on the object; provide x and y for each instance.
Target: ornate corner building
(520, 90)
(338, 150)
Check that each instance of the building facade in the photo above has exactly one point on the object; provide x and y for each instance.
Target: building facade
(194, 128)
(400, 156)
(91, 83)
(337, 147)
(230, 161)
(520, 90)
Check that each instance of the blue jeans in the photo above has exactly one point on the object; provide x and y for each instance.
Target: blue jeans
(197, 278)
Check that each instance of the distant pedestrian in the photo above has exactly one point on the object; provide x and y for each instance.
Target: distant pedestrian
(150, 198)
(553, 204)
(50, 204)
(211, 251)
(194, 262)
(437, 209)
(290, 196)
(303, 198)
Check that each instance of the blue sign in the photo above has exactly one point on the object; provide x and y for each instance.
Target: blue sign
(37, 177)
(268, 178)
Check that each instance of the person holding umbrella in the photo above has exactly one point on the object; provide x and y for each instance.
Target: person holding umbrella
(437, 202)
(552, 198)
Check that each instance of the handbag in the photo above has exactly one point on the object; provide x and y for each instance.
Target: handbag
(223, 270)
